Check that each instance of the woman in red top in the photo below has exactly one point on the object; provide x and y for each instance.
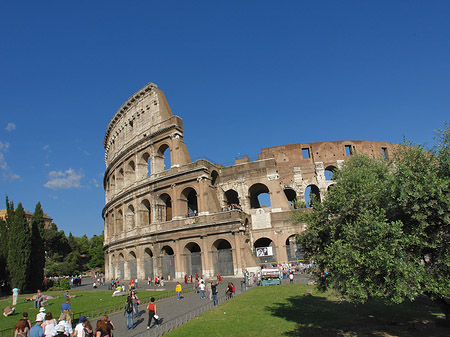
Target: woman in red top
(152, 312)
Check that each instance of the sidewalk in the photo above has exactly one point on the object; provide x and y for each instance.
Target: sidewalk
(172, 312)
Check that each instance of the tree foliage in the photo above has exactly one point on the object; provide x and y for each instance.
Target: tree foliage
(36, 276)
(383, 230)
(19, 249)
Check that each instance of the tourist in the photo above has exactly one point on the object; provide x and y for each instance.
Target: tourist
(25, 318)
(136, 283)
(88, 331)
(104, 327)
(135, 300)
(214, 292)
(15, 295)
(152, 313)
(66, 306)
(65, 321)
(208, 290)
(129, 313)
(21, 329)
(38, 299)
(291, 277)
(37, 330)
(49, 325)
(79, 328)
(201, 286)
(178, 290)
(60, 331)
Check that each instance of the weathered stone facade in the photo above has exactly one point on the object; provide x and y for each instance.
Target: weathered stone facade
(180, 217)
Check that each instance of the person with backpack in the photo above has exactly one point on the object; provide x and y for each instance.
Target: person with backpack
(129, 313)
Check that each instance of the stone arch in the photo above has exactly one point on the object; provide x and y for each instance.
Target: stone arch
(132, 265)
(311, 190)
(130, 173)
(119, 221)
(294, 251)
(232, 199)
(163, 158)
(259, 193)
(145, 164)
(112, 185)
(189, 199)
(164, 207)
(121, 267)
(265, 250)
(291, 196)
(130, 217)
(145, 213)
(168, 262)
(329, 172)
(223, 257)
(148, 264)
(193, 258)
(120, 179)
(214, 177)
(330, 187)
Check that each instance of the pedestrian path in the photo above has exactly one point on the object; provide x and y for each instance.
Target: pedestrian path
(172, 312)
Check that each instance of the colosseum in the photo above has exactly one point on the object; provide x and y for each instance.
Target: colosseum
(167, 216)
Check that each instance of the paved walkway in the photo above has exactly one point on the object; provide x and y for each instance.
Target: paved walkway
(171, 309)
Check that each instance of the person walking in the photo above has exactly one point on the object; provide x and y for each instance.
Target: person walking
(201, 286)
(21, 329)
(208, 290)
(178, 290)
(135, 301)
(104, 327)
(15, 294)
(37, 330)
(152, 313)
(49, 325)
(79, 328)
(291, 277)
(129, 313)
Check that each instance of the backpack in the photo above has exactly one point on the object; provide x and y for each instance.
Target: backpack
(129, 307)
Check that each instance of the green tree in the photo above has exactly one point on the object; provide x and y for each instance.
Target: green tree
(36, 275)
(96, 253)
(383, 230)
(19, 249)
(3, 250)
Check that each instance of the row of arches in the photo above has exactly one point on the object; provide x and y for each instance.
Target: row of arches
(139, 167)
(163, 262)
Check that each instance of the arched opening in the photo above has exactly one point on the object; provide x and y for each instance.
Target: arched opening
(329, 172)
(146, 213)
(330, 187)
(148, 263)
(223, 258)
(120, 178)
(119, 221)
(214, 176)
(130, 217)
(146, 165)
(113, 267)
(168, 263)
(232, 200)
(291, 196)
(259, 196)
(165, 207)
(132, 265)
(112, 185)
(312, 194)
(189, 197)
(121, 267)
(294, 251)
(131, 172)
(193, 259)
(265, 251)
(109, 224)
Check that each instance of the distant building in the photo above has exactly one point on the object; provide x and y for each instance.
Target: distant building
(47, 220)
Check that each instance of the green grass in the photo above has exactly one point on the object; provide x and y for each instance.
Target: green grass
(285, 311)
(90, 302)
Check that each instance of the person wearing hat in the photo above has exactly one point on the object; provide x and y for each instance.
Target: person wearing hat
(60, 331)
(79, 328)
(37, 330)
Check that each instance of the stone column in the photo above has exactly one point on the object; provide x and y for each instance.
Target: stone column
(207, 261)
(140, 263)
(177, 212)
(178, 263)
(237, 245)
(202, 195)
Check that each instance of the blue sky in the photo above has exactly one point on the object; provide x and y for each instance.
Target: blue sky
(243, 75)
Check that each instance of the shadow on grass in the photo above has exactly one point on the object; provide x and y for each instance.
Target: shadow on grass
(318, 316)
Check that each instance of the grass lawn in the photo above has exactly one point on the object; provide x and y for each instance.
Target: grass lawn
(87, 302)
(285, 311)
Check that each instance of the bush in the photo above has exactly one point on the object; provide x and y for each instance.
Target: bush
(64, 284)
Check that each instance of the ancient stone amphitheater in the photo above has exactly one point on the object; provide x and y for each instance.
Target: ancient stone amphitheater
(168, 216)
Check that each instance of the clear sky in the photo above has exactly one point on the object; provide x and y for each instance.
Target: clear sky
(243, 75)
